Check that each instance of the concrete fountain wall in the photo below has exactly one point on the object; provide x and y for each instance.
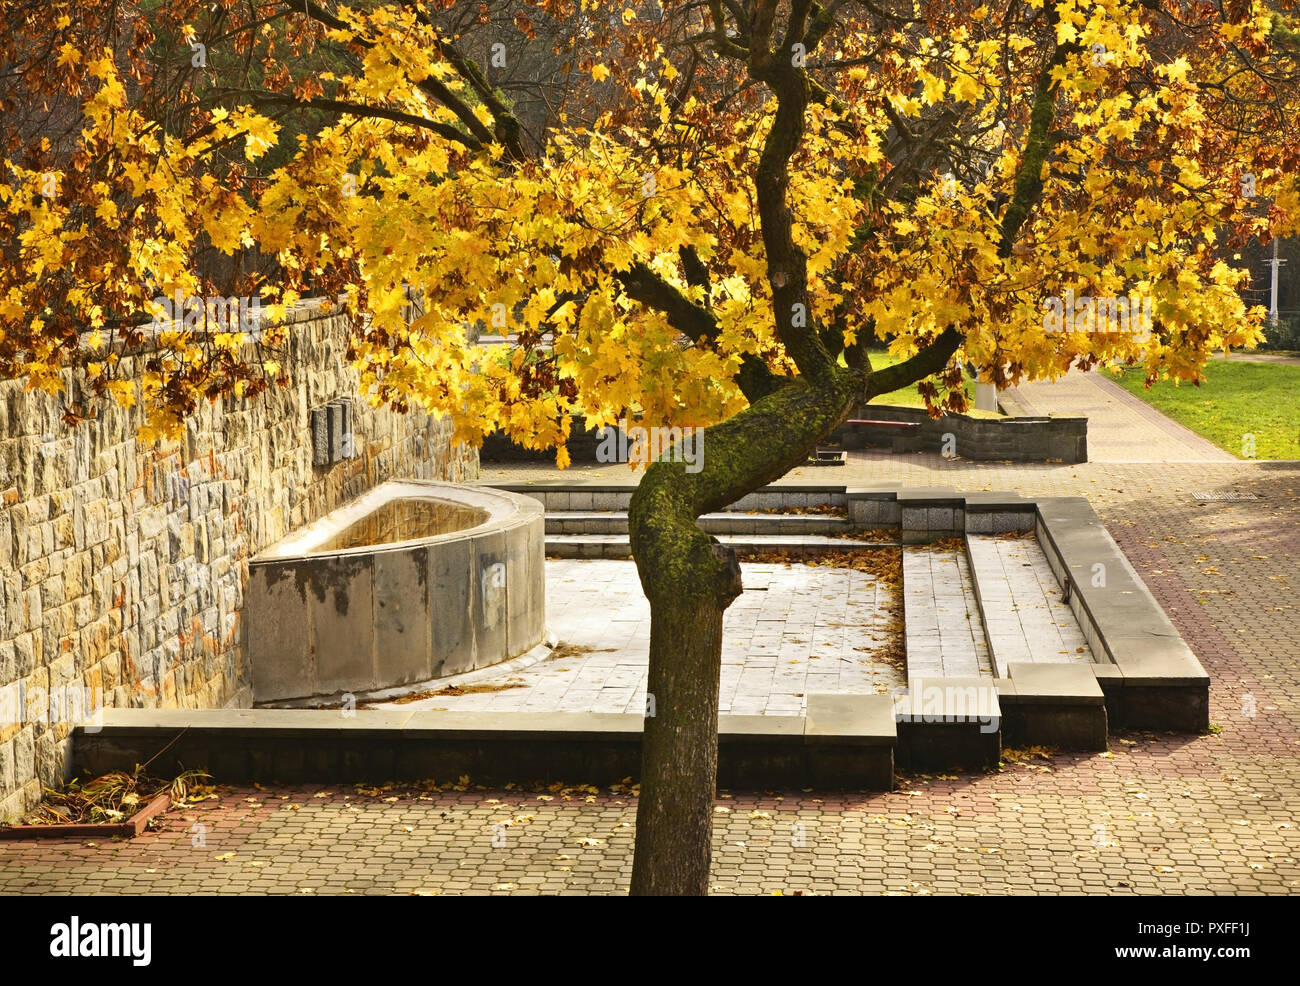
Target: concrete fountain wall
(324, 621)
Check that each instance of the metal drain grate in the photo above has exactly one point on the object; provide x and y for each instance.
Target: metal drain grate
(1224, 496)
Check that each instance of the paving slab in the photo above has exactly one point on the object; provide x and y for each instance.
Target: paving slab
(943, 626)
(1065, 684)
(795, 629)
(1026, 618)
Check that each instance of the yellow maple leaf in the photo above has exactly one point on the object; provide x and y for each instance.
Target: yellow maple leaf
(934, 87)
(259, 134)
(967, 89)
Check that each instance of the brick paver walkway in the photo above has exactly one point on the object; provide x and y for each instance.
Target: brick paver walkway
(1158, 814)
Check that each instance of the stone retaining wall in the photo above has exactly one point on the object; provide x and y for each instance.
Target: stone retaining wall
(123, 567)
(1014, 439)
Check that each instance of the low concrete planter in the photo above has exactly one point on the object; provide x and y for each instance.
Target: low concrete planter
(1017, 438)
(582, 446)
(324, 621)
(1014, 439)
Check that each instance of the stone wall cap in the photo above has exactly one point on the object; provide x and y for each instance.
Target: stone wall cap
(1055, 684)
(538, 725)
(505, 509)
(858, 720)
(948, 699)
(748, 728)
(249, 721)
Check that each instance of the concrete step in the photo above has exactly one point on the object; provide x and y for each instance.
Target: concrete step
(1022, 605)
(942, 619)
(729, 522)
(617, 546)
(845, 742)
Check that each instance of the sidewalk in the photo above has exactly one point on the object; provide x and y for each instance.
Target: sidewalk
(1121, 427)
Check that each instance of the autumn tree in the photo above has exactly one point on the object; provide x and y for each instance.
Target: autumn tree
(696, 213)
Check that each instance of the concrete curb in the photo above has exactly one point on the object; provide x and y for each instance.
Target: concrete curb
(845, 741)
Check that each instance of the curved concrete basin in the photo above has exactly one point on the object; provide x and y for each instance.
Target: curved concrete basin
(413, 581)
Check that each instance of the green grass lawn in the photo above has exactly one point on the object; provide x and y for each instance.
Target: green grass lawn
(1237, 398)
(908, 397)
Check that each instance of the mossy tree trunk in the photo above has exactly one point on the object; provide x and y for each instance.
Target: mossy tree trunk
(690, 578)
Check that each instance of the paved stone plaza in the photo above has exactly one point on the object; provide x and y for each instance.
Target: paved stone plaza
(1158, 814)
(795, 629)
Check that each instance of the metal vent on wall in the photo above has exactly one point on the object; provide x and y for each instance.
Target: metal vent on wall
(332, 438)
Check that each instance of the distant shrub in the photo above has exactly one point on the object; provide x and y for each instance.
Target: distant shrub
(1284, 335)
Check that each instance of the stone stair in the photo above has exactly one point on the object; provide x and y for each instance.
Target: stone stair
(725, 522)
(1021, 605)
(603, 533)
(969, 689)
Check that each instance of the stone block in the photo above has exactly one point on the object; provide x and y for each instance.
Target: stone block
(948, 722)
(24, 745)
(340, 601)
(280, 652)
(858, 720)
(8, 773)
(490, 598)
(403, 627)
(1055, 705)
(320, 436)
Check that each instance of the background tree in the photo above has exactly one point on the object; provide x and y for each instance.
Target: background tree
(698, 213)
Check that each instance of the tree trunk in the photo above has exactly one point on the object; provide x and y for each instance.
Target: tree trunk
(680, 747)
(690, 580)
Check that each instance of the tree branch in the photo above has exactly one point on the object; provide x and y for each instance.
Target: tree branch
(362, 110)
(931, 359)
(1038, 142)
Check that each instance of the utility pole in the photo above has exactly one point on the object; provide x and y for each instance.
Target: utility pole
(1272, 304)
